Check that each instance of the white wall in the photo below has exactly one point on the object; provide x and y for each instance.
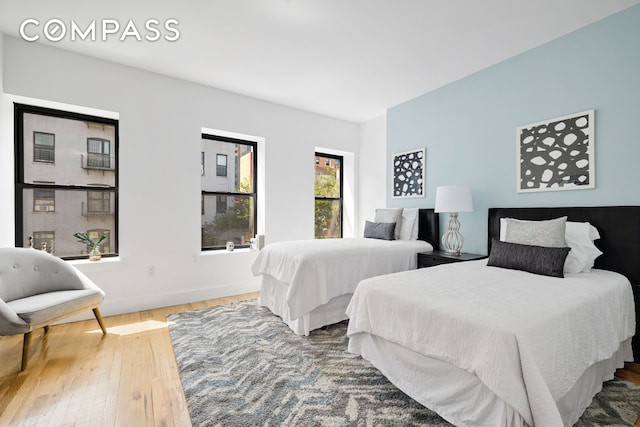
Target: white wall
(161, 119)
(7, 229)
(372, 169)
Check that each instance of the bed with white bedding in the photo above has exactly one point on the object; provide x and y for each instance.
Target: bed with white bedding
(309, 282)
(489, 346)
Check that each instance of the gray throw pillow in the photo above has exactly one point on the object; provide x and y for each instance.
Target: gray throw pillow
(548, 233)
(390, 215)
(379, 230)
(542, 260)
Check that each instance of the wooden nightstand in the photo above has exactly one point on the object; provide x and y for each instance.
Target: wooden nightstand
(430, 259)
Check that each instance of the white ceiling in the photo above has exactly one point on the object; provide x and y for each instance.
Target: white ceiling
(350, 59)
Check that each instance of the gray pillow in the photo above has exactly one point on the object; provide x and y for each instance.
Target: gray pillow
(379, 230)
(542, 260)
(548, 233)
(390, 215)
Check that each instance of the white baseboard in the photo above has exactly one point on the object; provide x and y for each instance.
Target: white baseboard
(147, 302)
(111, 307)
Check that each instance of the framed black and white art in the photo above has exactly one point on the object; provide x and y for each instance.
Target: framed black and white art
(408, 173)
(556, 154)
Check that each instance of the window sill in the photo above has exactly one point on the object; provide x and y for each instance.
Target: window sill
(103, 264)
(102, 260)
(224, 251)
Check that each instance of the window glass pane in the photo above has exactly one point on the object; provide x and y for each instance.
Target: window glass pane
(44, 147)
(328, 195)
(44, 139)
(233, 165)
(76, 211)
(221, 165)
(44, 200)
(43, 240)
(81, 150)
(94, 145)
(98, 203)
(328, 172)
(328, 219)
(221, 204)
(225, 221)
(98, 154)
(66, 180)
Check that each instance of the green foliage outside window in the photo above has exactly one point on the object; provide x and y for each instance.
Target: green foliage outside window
(327, 212)
(236, 224)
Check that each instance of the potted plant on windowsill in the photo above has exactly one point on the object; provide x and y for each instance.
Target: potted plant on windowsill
(94, 252)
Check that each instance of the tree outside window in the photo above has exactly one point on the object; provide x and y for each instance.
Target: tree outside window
(328, 196)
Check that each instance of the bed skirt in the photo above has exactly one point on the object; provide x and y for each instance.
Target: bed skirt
(460, 397)
(273, 294)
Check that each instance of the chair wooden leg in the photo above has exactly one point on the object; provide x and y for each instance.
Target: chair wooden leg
(96, 312)
(26, 349)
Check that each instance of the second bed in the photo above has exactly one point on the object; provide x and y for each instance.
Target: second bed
(309, 283)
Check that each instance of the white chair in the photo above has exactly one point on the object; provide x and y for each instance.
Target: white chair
(38, 289)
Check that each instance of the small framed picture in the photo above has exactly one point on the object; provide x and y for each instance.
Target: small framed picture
(556, 154)
(409, 174)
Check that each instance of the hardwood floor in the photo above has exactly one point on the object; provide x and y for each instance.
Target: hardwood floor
(79, 377)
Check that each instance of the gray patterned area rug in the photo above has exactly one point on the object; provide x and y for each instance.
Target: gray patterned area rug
(242, 366)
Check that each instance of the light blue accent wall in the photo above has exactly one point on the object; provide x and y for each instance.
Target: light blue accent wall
(469, 127)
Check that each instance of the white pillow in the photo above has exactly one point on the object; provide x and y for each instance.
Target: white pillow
(579, 236)
(390, 215)
(409, 224)
(503, 229)
(416, 227)
(547, 233)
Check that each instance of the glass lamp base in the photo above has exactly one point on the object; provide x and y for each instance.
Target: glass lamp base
(452, 240)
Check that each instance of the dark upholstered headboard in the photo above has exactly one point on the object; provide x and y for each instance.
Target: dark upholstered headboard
(429, 227)
(619, 228)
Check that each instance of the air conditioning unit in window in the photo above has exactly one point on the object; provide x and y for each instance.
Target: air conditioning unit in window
(39, 208)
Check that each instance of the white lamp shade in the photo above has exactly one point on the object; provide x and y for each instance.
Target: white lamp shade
(453, 198)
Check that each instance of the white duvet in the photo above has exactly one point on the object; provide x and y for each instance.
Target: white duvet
(319, 270)
(527, 337)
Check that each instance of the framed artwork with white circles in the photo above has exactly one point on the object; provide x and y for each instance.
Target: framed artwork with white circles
(556, 154)
(408, 173)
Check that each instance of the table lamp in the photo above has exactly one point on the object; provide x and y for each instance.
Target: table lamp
(453, 199)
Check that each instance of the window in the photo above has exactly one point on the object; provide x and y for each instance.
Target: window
(221, 204)
(221, 164)
(98, 153)
(76, 193)
(44, 200)
(98, 202)
(328, 194)
(44, 240)
(202, 163)
(229, 199)
(44, 147)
